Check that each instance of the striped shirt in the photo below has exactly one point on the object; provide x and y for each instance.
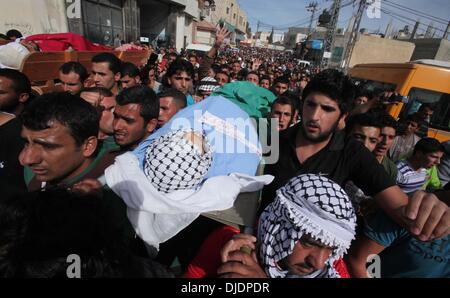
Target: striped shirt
(408, 179)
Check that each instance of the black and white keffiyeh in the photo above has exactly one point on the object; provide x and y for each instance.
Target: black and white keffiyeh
(307, 204)
(208, 84)
(174, 162)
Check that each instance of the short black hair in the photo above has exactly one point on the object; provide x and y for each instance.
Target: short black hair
(282, 80)
(285, 100)
(334, 84)
(129, 69)
(21, 83)
(76, 114)
(426, 105)
(428, 145)
(265, 77)
(386, 120)
(3, 36)
(75, 67)
(145, 97)
(178, 97)
(364, 120)
(180, 65)
(114, 63)
(14, 33)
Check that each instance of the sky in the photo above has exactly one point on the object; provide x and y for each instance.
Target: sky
(286, 13)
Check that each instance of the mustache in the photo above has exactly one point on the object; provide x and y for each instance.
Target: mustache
(313, 124)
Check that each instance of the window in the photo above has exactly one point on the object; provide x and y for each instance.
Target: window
(374, 86)
(228, 10)
(240, 20)
(234, 16)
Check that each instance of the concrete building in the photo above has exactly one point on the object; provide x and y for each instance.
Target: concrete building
(431, 48)
(233, 17)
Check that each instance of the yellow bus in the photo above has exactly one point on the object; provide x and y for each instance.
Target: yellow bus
(422, 81)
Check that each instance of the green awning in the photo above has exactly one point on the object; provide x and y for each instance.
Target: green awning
(228, 26)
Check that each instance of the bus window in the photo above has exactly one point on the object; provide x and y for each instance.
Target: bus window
(441, 102)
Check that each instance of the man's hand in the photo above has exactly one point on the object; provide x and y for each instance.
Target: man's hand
(221, 34)
(236, 243)
(241, 265)
(430, 216)
(256, 64)
(88, 186)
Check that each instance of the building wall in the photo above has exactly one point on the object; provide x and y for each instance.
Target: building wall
(205, 37)
(33, 17)
(431, 48)
(154, 20)
(371, 49)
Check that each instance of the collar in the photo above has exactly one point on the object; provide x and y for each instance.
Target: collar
(336, 143)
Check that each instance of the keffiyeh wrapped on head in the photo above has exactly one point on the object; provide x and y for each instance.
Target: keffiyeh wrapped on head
(307, 205)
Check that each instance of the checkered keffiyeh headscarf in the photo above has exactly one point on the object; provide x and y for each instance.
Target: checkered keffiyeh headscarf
(307, 204)
(173, 162)
(208, 84)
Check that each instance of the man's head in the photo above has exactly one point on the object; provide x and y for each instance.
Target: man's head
(326, 102)
(265, 82)
(14, 34)
(253, 77)
(362, 96)
(412, 124)
(170, 102)
(193, 60)
(365, 128)
(428, 153)
(72, 76)
(180, 75)
(172, 57)
(222, 78)
(106, 70)
(387, 135)
(281, 85)
(236, 67)
(425, 111)
(15, 90)
(283, 109)
(130, 75)
(60, 132)
(310, 224)
(135, 116)
(206, 87)
(105, 102)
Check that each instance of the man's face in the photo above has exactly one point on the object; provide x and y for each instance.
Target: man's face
(193, 61)
(308, 256)
(361, 100)
(71, 82)
(428, 160)
(425, 113)
(236, 67)
(222, 79)
(167, 109)
(103, 76)
(107, 105)
(128, 82)
(253, 78)
(321, 117)
(281, 88)
(284, 115)
(387, 137)
(172, 58)
(52, 153)
(181, 81)
(129, 128)
(368, 135)
(265, 84)
(9, 99)
(411, 127)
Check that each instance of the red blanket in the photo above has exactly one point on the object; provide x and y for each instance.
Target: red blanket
(63, 41)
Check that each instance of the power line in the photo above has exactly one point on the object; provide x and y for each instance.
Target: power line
(403, 18)
(416, 12)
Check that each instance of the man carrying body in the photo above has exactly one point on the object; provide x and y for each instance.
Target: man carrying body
(72, 76)
(106, 71)
(171, 102)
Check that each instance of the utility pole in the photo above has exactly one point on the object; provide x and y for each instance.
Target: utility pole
(312, 7)
(353, 35)
(329, 38)
(445, 36)
(413, 34)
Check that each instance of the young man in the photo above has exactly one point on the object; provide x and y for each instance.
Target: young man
(296, 234)
(15, 91)
(283, 109)
(72, 76)
(412, 172)
(106, 71)
(424, 113)
(280, 86)
(387, 135)
(130, 75)
(265, 82)
(315, 146)
(404, 143)
(253, 77)
(135, 116)
(179, 76)
(170, 102)
(222, 78)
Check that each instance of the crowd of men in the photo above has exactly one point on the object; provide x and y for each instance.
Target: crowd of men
(345, 187)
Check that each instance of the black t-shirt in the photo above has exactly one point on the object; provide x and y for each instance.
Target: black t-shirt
(341, 160)
(11, 172)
